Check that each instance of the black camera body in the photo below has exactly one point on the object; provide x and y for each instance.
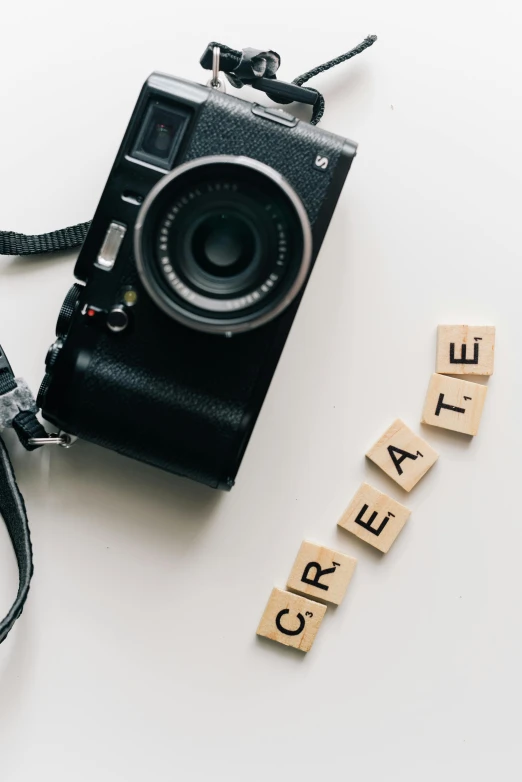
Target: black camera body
(190, 277)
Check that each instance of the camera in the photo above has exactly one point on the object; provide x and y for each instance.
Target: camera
(190, 277)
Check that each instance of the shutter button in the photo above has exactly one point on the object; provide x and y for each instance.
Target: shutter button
(117, 319)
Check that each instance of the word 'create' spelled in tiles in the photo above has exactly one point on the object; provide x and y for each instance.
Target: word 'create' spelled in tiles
(465, 350)
(403, 455)
(321, 572)
(291, 620)
(374, 517)
(456, 404)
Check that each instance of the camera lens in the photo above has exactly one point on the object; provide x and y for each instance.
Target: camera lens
(223, 244)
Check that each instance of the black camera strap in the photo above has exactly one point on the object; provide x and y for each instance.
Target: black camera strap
(12, 243)
(17, 407)
(17, 410)
(13, 512)
(258, 68)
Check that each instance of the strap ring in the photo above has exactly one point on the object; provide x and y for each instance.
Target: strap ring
(216, 56)
(54, 438)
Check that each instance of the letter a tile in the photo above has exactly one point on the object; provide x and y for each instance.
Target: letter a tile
(465, 350)
(291, 620)
(374, 517)
(321, 572)
(403, 455)
(456, 404)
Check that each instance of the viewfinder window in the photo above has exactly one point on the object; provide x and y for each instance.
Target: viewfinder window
(160, 135)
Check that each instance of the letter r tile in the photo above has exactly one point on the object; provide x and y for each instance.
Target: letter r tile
(320, 572)
(403, 455)
(374, 517)
(291, 620)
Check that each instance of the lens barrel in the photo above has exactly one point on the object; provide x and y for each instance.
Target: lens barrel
(223, 244)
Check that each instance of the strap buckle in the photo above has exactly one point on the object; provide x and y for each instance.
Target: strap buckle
(283, 92)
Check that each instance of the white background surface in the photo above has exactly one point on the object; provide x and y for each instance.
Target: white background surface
(136, 657)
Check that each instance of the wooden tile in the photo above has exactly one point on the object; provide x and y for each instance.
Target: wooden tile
(452, 403)
(403, 455)
(291, 620)
(465, 350)
(374, 517)
(321, 572)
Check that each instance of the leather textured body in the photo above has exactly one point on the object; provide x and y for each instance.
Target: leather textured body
(182, 400)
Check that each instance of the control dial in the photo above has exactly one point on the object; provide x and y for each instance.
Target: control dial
(42, 392)
(52, 354)
(67, 311)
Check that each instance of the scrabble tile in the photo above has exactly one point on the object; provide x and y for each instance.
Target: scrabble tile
(452, 403)
(465, 350)
(321, 572)
(403, 455)
(291, 620)
(374, 517)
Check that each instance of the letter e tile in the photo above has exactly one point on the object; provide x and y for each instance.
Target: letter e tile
(321, 572)
(374, 517)
(465, 350)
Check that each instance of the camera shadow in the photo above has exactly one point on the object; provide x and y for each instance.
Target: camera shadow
(115, 496)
